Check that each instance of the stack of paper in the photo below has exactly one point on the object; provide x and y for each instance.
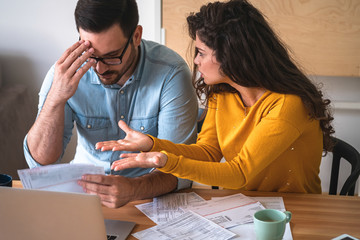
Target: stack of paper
(187, 214)
(170, 206)
(229, 211)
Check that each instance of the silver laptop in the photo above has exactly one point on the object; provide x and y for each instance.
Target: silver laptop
(36, 214)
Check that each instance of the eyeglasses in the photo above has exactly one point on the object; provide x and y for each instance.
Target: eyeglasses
(114, 60)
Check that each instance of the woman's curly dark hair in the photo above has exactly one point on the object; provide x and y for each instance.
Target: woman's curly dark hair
(252, 55)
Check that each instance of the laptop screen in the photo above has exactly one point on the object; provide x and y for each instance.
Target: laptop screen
(35, 214)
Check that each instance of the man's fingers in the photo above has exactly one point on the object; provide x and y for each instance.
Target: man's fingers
(76, 53)
(94, 188)
(106, 187)
(68, 51)
(106, 199)
(109, 204)
(97, 179)
(77, 68)
(70, 67)
(81, 71)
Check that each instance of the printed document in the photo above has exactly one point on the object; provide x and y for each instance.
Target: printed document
(170, 206)
(187, 214)
(57, 177)
(229, 211)
(188, 226)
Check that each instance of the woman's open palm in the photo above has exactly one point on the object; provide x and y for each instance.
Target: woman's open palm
(134, 141)
(141, 160)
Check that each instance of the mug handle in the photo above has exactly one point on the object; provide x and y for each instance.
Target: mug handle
(288, 216)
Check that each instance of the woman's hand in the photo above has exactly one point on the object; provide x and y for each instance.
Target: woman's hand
(134, 141)
(142, 160)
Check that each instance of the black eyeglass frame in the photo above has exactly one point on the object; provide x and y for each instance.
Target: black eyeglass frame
(97, 59)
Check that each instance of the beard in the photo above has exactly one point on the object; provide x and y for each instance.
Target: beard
(109, 77)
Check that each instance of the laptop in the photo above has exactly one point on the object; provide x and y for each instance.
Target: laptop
(37, 214)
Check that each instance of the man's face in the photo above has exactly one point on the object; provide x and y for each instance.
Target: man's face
(111, 43)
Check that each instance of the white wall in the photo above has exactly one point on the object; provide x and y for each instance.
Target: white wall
(34, 34)
(344, 93)
(150, 19)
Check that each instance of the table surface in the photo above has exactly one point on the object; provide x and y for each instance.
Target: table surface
(314, 216)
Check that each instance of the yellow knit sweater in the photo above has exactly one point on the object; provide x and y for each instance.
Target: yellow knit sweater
(270, 146)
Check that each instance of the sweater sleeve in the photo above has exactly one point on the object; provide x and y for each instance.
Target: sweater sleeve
(259, 151)
(206, 148)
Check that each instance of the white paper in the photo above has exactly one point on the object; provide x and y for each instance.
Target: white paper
(234, 212)
(187, 226)
(170, 206)
(272, 202)
(247, 232)
(57, 177)
(147, 209)
(229, 211)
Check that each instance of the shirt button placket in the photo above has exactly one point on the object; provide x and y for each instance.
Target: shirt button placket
(122, 105)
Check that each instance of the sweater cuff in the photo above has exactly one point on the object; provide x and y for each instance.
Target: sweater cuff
(155, 147)
(171, 163)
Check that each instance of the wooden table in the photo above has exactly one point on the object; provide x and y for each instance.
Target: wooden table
(315, 216)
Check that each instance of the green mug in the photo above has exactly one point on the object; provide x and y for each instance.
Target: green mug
(270, 224)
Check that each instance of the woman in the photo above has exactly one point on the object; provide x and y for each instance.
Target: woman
(264, 116)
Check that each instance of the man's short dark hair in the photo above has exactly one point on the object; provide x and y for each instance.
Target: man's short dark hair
(99, 15)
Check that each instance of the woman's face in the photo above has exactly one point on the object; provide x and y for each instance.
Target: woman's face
(207, 64)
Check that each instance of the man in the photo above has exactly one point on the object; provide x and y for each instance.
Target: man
(111, 74)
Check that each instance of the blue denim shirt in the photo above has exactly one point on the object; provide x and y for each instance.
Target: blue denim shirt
(158, 99)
